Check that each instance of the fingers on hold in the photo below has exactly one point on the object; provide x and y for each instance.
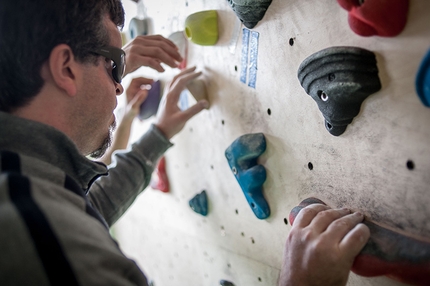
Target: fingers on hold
(155, 64)
(307, 214)
(136, 61)
(182, 82)
(354, 241)
(165, 55)
(186, 71)
(163, 52)
(142, 95)
(159, 38)
(326, 218)
(138, 98)
(169, 47)
(138, 81)
(193, 110)
(184, 77)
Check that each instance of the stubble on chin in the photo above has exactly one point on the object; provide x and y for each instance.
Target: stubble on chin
(107, 142)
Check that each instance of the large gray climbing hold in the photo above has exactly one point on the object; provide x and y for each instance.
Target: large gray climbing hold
(339, 79)
(250, 12)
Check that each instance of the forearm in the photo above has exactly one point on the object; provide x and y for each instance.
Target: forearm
(129, 174)
(120, 139)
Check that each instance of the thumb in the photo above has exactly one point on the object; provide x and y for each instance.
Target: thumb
(139, 98)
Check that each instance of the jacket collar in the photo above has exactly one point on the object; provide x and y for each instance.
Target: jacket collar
(48, 144)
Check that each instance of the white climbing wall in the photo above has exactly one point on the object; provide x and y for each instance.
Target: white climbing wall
(365, 168)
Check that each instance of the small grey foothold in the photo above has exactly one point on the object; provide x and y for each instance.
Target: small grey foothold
(225, 283)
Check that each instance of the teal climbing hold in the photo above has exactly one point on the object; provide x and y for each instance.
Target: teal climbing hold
(242, 157)
(199, 203)
(422, 82)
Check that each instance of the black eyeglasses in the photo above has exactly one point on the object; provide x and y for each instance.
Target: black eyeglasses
(117, 56)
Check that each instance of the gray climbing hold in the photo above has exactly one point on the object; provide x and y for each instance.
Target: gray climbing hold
(339, 79)
(225, 283)
(250, 12)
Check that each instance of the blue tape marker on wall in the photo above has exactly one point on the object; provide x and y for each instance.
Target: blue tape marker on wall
(244, 59)
(253, 59)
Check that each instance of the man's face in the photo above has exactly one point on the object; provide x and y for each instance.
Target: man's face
(100, 91)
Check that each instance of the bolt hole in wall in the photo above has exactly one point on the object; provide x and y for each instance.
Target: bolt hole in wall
(286, 221)
(235, 68)
(269, 111)
(410, 165)
(237, 212)
(310, 166)
(291, 42)
(222, 122)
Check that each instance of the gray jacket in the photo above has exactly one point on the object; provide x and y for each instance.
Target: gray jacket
(56, 206)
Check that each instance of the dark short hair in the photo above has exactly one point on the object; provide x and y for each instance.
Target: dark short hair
(30, 29)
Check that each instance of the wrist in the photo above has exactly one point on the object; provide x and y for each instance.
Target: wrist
(163, 131)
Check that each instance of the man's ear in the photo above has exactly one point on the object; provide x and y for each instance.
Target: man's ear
(64, 68)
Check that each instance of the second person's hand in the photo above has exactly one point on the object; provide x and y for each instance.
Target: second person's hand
(170, 118)
(150, 51)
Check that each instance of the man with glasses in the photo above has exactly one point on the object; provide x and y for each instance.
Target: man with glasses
(61, 66)
(58, 89)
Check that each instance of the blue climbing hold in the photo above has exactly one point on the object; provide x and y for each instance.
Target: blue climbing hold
(422, 83)
(199, 203)
(242, 157)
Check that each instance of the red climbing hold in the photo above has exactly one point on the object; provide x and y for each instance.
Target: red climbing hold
(159, 178)
(385, 18)
(388, 252)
